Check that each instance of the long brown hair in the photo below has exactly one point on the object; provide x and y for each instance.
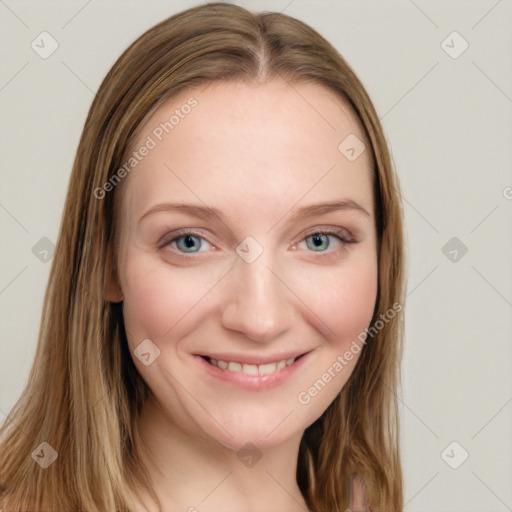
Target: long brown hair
(84, 393)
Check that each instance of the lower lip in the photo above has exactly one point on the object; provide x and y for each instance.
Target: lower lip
(253, 382)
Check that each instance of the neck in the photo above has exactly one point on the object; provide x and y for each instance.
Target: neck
(195, 473)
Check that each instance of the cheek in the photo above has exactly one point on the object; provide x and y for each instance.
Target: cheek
(152, 305)
(345, 304)
(158, 300)
(357, 302)
(343, 310)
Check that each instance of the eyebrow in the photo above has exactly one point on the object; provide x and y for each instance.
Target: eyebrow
(209, 212)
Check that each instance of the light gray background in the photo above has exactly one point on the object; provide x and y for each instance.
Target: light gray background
(448, 122)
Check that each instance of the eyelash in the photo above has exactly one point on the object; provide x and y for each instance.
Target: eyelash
(341, 234)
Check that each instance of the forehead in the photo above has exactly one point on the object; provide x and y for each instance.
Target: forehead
(262, 147)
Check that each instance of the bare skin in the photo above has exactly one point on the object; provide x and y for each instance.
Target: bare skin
(258, 153)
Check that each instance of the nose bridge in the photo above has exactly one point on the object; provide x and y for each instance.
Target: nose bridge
(258, 304)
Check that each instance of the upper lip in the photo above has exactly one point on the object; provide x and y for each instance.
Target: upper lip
(253, 359)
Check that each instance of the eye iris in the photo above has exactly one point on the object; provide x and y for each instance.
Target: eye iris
(190, 241)
(318, 238)
(319, 241)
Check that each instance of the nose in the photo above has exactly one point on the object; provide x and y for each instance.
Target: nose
(259, 302)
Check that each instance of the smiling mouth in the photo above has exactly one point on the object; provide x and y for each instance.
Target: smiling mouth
(252, 369)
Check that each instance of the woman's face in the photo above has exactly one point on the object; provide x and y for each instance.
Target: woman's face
(256, 282)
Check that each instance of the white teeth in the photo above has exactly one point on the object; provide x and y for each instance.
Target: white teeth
(268, 368)
(234, 367)
(252, 369)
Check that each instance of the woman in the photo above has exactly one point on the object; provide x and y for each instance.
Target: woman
(197, 351)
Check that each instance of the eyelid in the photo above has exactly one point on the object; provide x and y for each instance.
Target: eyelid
(343, 233)
(344, 236)
(170, 237)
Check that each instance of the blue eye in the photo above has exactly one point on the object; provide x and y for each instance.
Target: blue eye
(321, 241)
(188, 242)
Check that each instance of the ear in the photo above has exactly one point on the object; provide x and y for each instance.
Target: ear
(112, 290)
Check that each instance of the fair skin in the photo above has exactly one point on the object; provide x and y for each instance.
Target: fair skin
(257, 153)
